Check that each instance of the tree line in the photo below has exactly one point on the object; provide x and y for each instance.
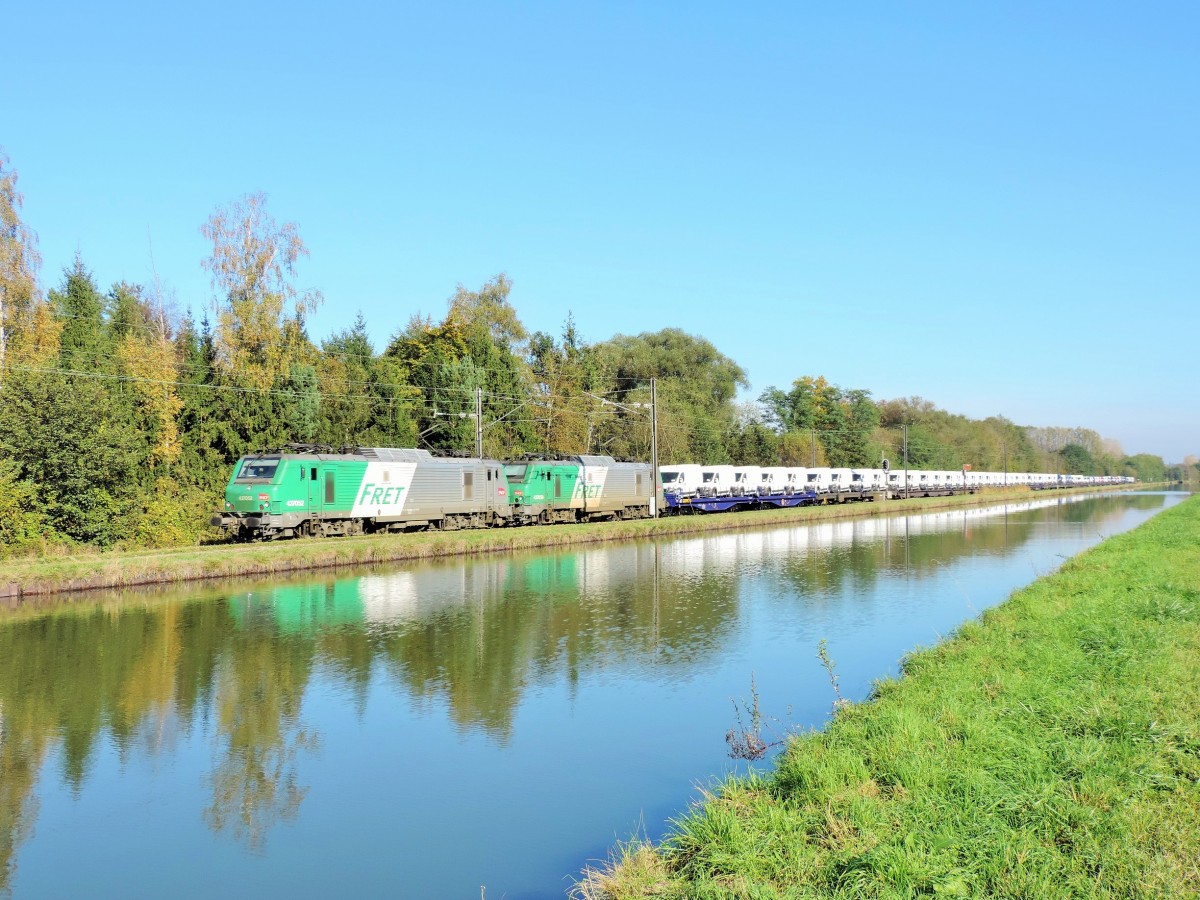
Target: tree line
(121, 417)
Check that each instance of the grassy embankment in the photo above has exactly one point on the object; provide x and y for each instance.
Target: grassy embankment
(92, 570)
(1051, 749)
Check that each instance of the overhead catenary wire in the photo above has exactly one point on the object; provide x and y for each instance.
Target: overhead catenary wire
(427, 399)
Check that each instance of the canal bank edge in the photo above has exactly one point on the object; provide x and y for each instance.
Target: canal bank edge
(27, 578)
(1049, 749)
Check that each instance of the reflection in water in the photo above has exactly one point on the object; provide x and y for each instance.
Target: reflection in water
(476, 636)
(470, 637)
(258, 685)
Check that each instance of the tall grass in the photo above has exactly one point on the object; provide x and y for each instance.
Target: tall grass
(1050, 750)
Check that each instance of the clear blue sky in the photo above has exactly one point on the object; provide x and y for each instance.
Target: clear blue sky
(994, 206)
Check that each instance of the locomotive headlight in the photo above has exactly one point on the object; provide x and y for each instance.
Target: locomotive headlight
(228, 505)
(262, 506)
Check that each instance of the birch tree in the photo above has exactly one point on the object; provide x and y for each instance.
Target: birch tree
(19, 260)
(259, 310)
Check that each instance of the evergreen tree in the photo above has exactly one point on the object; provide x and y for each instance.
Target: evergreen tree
(84, 344)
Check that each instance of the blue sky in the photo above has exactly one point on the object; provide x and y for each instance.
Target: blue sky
(993, 206)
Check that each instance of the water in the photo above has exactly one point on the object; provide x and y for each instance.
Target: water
(430, 731)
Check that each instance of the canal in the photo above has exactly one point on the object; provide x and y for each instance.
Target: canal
(466, 729)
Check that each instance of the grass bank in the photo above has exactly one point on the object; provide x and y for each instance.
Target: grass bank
(95, 570)
(1051, 749)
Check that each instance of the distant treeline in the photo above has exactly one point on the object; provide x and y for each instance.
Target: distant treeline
(120, 418)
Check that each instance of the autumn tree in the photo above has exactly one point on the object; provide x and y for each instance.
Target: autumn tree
(489, 309)
(147, 356)
(478, 345)
(843, 420)
(19, 260)
(568, 378)
(496, 349)
(260, 312)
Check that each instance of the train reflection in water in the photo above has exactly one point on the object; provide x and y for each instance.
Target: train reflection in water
(464, 670)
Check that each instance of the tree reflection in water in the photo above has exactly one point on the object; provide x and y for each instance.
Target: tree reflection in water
(142, 670)
(259, 686)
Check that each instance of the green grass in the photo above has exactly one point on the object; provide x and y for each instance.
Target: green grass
(1051, 749)
(91, 570)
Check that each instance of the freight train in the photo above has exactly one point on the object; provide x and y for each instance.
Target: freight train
(314, 491)
(303, 491)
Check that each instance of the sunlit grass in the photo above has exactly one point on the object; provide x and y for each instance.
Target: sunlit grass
(1051, 749)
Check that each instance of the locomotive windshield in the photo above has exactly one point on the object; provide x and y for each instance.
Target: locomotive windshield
(261, 469)
(515, 472)
(668, 477)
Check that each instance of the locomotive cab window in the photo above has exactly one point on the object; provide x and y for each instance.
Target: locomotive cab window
(258, 469)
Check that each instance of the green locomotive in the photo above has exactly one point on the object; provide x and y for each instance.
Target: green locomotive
(578, 489)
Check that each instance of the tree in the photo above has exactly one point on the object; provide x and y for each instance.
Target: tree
(568, 378)
(844, 420)
(489, 309)
(19, 260)
(434, 356)
(696, 387)
(1077, 460)
(344, 372)
(304, 408)
(1145, 467)
(478, 346)
(260, 312)
(81, 446)
(22, 522)
(497, 345)
(751, 443)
